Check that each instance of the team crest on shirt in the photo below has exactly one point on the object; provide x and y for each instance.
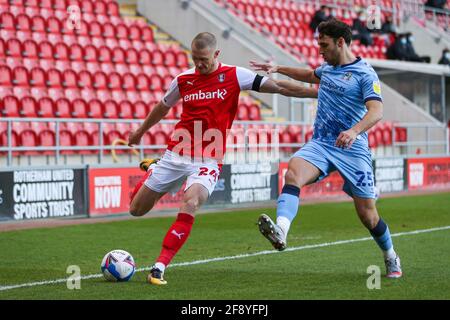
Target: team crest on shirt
(347, 76)
(221, 77)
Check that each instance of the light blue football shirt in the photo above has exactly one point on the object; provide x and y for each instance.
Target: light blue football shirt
(343, 92)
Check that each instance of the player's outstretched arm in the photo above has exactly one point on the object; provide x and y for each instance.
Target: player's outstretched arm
(288, 88)
(373, 115)
(300, 74)
(158, 112)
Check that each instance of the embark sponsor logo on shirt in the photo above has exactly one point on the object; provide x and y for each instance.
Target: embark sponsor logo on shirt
(218, 94)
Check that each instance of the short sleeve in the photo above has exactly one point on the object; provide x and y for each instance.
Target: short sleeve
(172, 94)
(247, 79)
(318, 71)
(371, 88)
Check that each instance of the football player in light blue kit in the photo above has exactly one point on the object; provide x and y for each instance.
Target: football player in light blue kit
(349, 103)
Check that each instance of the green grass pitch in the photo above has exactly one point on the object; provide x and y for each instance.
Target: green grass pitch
(328, 272)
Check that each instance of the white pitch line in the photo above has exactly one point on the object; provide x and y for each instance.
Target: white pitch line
(239, 256)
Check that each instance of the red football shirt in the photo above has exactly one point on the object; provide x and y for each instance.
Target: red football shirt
(209, 103)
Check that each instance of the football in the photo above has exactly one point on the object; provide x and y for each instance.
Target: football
(118, 265)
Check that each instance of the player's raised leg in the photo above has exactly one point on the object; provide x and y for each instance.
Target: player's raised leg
(180, 230)
(300, 173)
(144, 201)
(368, 214)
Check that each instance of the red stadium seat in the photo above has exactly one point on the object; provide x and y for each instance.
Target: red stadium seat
(115, 81)
(79, 108)
(100, 80)
(129, 82)
(85, 80)
(30, 49)
(118, 55)
(66, 140)
(182, 60)
(145, 57)
(95, 108)
(23, 22)
(104, 54)
(54, 78)
(46, 108)
(13, 48)
(82, 29)
(90, 53)
(110, 109)
(20, 77)
(95, 29)
(156, 82)
(29, 107)
(100, 8)
(62, 108)
(7, 21)
(132, 56)
(109, 31)
(70, 79)
(135, 36)
(170, 59)
(157, 57)
(254, 112)
(143, 83)
(53, 25)
(6, 78)
(242, 112)
(112, 8)
(11, 106)
(87, 6)
(121, 31)
(140, 110)
(38, 78)
(28, 138)
(125, 110)
(82, 138)
(46, 50)
(147, 34)
(47, 138)
(61, 51)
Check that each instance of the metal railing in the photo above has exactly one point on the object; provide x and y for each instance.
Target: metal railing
(246, 146)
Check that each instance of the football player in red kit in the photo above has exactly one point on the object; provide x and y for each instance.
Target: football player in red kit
(210, 95)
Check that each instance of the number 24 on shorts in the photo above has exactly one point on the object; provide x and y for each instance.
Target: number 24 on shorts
(204, 172)
(363, 176)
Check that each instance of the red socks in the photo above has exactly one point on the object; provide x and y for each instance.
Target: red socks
(175, 237)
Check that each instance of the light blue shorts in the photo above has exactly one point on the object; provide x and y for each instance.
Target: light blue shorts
(354, 165)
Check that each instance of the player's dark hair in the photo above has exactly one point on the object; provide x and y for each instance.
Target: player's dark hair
(203, 40)
(336, 29)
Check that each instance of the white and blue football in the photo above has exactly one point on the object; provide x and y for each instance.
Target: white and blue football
(118, 265)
